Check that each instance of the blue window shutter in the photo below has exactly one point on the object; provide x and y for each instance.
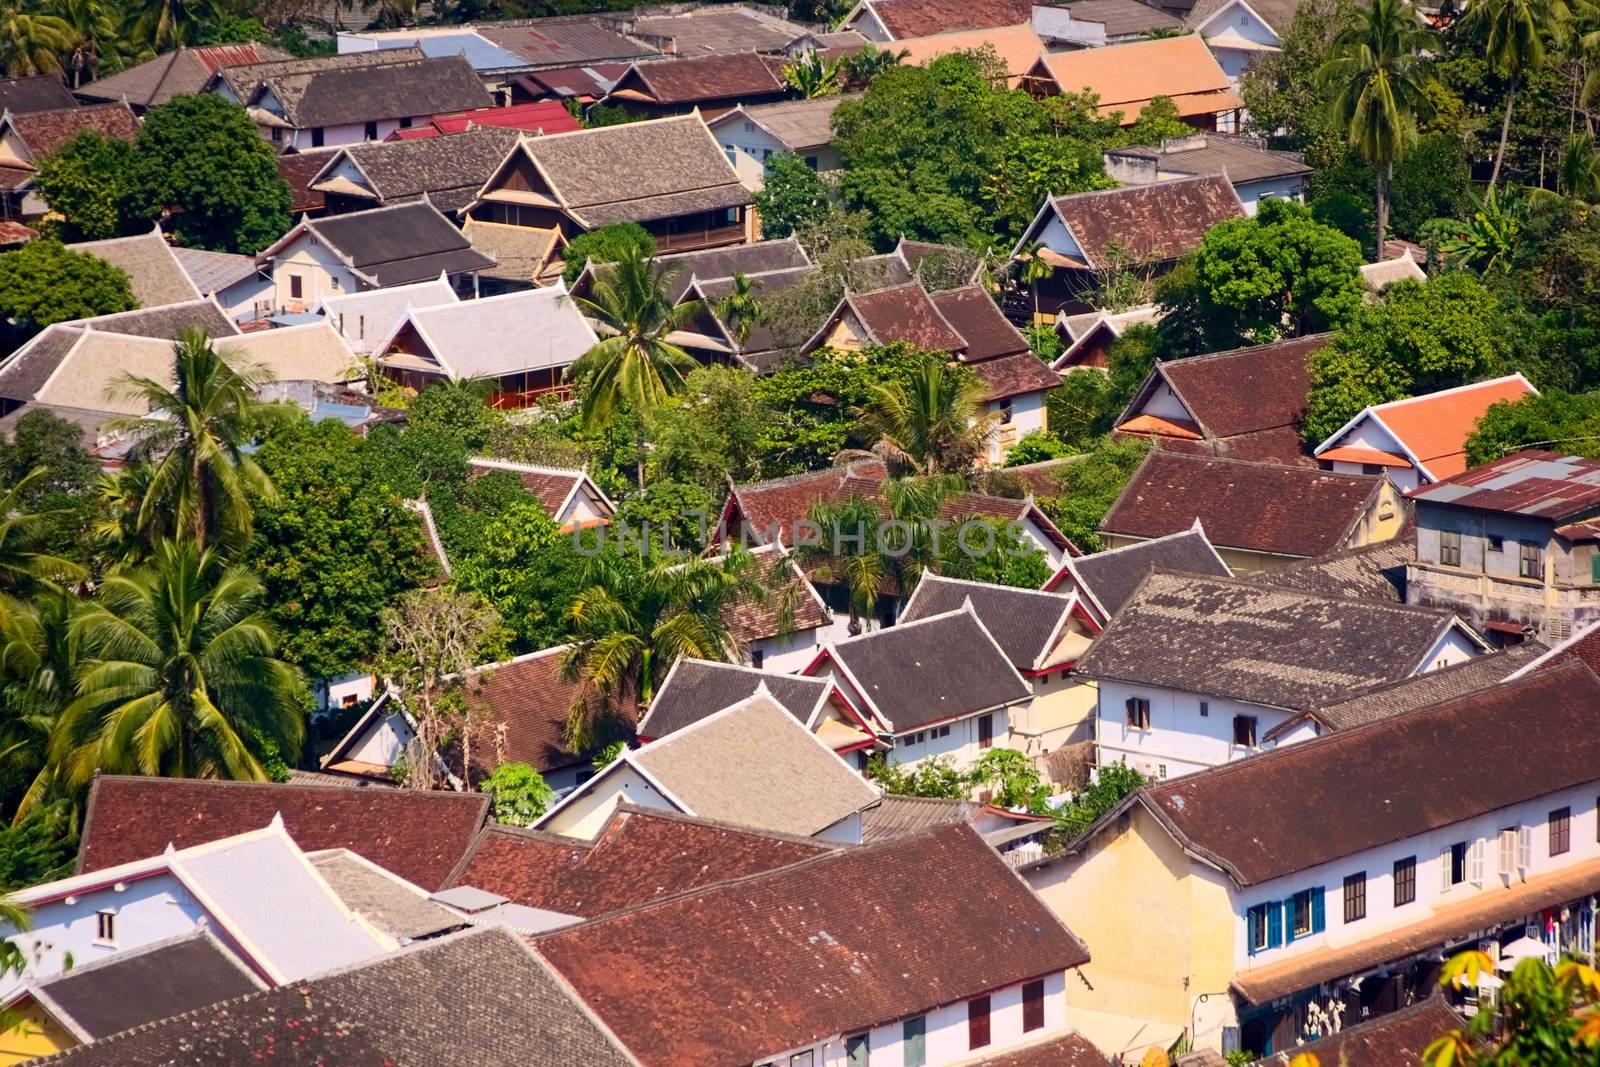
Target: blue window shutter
(1319, 919)
(1289, 918)
(1251, 917)
(1274, 924)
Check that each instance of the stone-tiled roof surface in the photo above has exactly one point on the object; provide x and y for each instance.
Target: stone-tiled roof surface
(1399, 1037)
(1015, 375)
(146, 984)
(697, 688)
(1316, 801)
(1247, 390)
(399, 910)
(790, 603)
(1025, 623)
(797, 124)
(1112, 576)
(504, 334)
(367, 317)
(549, 41)
(153, 270)
(449, 169)
(718, 28)
(1259, 507)
(409, 242)
(213, 271)
(893, 665)
(45, 131)
(1123, 18)
(419, 836)
(923, 18)
(245, 78)
(1278, 13)
(1228, 637)
(1371, 572)
(1478, 673)
(382, 91)
(721, 963)
(905, 313)
(297, 169)
(521, 253)
(896, 816)
(186, 70)
(1162, 222)
(477, 997)
(714, 77)
(43, 92)
(1236, 158)
(753, 765)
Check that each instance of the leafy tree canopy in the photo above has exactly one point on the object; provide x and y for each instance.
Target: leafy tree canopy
(521, 794)
(792, 198)
(608, 244)
(42, 282)
(1089, 486)
(1555, 420)
(86, 181)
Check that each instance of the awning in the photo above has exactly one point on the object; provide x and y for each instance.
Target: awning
(1357, 454)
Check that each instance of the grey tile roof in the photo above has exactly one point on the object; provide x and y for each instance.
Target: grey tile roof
(396, 245)
(521, 253)
(156, 276)
(1111, 577)
(897, 816)
(1123, 18)
(718, 29)
(366, 94)
(213, 271)
(1371, 572)
(146, 984)
(367, 318)
(1026, 623)
(504, 334)
(1481, 672)
(753, 765)
(796, 124)
(1235, 158)
(479, 997)
(43, 92)
(450, 169)
(1233, 638)
(575, 40)
(186, 70)
(893, 666)
(696, 688)
(388, 902)
(244, 79)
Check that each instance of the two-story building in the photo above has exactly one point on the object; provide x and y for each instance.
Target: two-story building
(1194, 671)
(1513, 545)
(1273, 900)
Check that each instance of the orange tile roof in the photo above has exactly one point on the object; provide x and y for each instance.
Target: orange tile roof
(1155, 424)
(1435, 427)
(1017, 46)
(1353, 454)
(1129, 76)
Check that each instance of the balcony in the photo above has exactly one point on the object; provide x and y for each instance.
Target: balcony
(1453, 582)
(708, 237)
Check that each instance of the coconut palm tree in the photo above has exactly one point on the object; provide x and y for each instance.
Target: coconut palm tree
(31, 43)
(179, 676)
(634, 366)
(23, 570)
(739, 307)
(1579, 177)
(1515, 36)
(38, 664)
(933, 422)
(634, 618)
(195, 438)
(859, 68)
(1031, 270)
(163, 25)
(1379, 77)
(95, 39)
(812, 76)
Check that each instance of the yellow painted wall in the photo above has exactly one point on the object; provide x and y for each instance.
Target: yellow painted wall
(32, 1033)
(1062, 713)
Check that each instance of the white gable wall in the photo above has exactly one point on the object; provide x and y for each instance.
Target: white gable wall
(1180, 740)
(1027, 415)
(1237, 18)
(586, 814)
(1056, 237)
(1164, 404)
(321, 275)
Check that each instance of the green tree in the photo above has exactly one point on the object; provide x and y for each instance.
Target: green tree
(1515, 36)
(1278, 274)
(1418, 339)
(812, 76)
(197, 436)
(521, 794)
(164, 25)
(42, 282)
(40, 846)
(86, 181)
(607, 244)
(24, 568)
(1554, 420)
(1379, 76)
(936, 777)
(792, 197)
(1543, 1016)
(1488, 240)
(711, 431)
(1001, 556)
(333, 546)
(1111, 784)
(63, 497)
(635, 615)
(181, 677)
(932, 422)
(739, 309)
(1015, 780)
(1037, 446)
(39, 667)
(528, 570)
(1089, 486)
(31, 42)
(200, 156)
(1157, 121)
(634, 367)
(861, 66)
(97, 42)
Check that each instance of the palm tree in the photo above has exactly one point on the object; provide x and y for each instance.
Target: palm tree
(739, 308)
(1579, 177)
(22, 569)
(1380, 79)
(634, 366)
(933, 422)
(812, 76)
(861, 67)
(195, 437)
(634, 618)
(163, 25)
(1514, 35)
(179, 676)
(31, 43)
(38, 664)
(1034, 270)
(94, 37)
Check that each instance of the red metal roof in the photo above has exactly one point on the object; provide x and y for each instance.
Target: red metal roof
(1534, 483)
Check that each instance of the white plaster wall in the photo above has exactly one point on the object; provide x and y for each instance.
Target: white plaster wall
(1252, 193)
(1405, 479)
(846, 831)
(1055, 237)
(789, 654)
(331, 692)
(1027, 415)
(586, 815)
(321, 273)
(385, 744)
(243, 299)
(583, 509)
(1164, 403)
(1179, 736)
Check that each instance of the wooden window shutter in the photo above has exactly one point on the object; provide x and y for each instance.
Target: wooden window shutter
(1475, 866)
(1319, 921)
(1274, 924)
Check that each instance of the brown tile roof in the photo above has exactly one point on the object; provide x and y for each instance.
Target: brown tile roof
(1583, 646)
(45, 131)
(551, 485)
(791, 603)
(1371, 572)
(922, 18)
(477, 997)
(42, 92)
(717, 28)
(980, 322)
(721, 963)
(904, 313)
(351, 95)
(1244, 391)
(1015, 376)
(1162, 222)
(297, 169)
(1531, 483)
(244, 79)
(1069, 1050)
(1316, 801)
(570, 39)
(1258, 507)
(1228, 637)
(640, 856)
(417, 835)
(1399, 1037)
(1239, 159)
(1126, 77)
(186, 70)
(702, 78)
(785, 501)
(695, 688)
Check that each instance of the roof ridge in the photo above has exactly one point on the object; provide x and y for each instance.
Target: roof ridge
(1257, 464)
(1021, 589)
(481, 798)
(1243, 581)
(1513, 376)
(1478, 661)
(1244, 350)
(626, 808)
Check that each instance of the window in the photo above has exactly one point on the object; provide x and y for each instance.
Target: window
(857, 1050)
(1450, 548)
(1355, 897)
(1496, 543)
(1205, 710)
(333, 282)
(1138, 710)
(316, 137)
(106, 927)
(939, 731)
(1300, 913)
(1405, 880)
(1455, 864)
(1594, 569)
(914, 1036)
(803, 1059)
(361, 326)
(277, 134)
(1530, 560)
(1244, 731)
(1161, 771)
(1033, 1006)
(758, 656)
(371, 132)
(811, 161)
(1256, 922)
(977, 1022)
(986, 731)
(405, 123)
(349, 700)
(296, 287)
(1560, 831)
(728, 150)
(1006, 411)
